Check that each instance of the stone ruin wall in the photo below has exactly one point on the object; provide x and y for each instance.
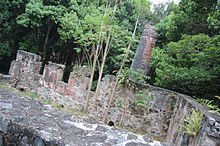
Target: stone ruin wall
(163, 120)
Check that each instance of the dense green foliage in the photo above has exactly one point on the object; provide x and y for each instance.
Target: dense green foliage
(128, 78)
(67, 31)
(187, 58)
(189, 65)
(9, 31)
(191, 17)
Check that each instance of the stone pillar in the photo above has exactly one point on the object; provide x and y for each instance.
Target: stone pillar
(25, 63)
(24, 71)
(52, 74)
(79, 78)
(143, 53)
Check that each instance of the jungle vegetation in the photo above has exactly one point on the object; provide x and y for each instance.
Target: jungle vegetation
(104, 34)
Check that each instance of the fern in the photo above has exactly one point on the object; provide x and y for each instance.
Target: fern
(193, 122)
(209, 104)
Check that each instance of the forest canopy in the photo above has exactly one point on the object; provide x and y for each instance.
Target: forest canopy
(186, 59)
(188, 49)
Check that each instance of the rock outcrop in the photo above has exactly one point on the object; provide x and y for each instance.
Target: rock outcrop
(26, 122)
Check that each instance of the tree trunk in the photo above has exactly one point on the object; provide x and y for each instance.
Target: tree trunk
(100, 41)
(100, 75)
(119, 72)
(70, 54)
(103, 63)
(45, 47)
(91, 79)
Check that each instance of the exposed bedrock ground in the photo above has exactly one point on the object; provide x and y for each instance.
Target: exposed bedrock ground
(26, 122)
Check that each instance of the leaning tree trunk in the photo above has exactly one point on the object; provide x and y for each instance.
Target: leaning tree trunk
(119, 72)
(143, 53)
(94, 63)
(45, 47)
(86, 106)
(100, 76)
(96, 55)
(103, 63)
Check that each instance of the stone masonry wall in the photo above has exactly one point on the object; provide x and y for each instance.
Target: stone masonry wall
(163, 120)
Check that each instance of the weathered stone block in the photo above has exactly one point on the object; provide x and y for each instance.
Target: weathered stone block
(71, 81)
(4, 125)
(79, 78)
(61, 87)
(25, 63)
(53, 72)
(85, 83)
(27, 57)
(15, 68)
(5, 78)
(36, 66)
(213, 127)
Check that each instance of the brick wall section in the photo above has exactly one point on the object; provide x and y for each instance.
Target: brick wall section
(143, 53)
